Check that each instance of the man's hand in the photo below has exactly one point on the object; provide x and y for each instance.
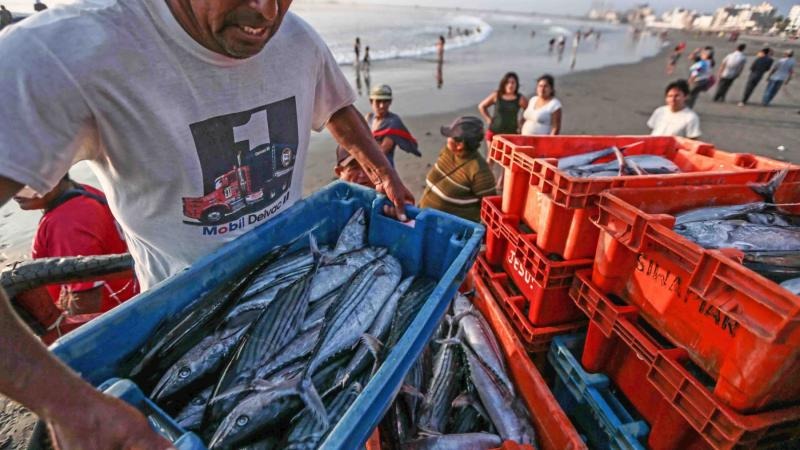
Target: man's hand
(397, 193)
(104, 422)
(351, 131)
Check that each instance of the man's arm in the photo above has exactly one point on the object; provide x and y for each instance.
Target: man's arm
(81, 417)
(351, 131)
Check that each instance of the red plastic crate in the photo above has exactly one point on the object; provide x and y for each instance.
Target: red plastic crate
(554, 431)
(739, 327)
(543, 282)
(536, 339)
(559, 207)
(656, 379)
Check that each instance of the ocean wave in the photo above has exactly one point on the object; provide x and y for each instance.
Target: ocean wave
(430, 34)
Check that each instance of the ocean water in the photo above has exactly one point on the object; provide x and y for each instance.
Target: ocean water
(402, 44)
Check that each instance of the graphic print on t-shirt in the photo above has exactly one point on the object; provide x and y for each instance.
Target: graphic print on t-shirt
(247, 160)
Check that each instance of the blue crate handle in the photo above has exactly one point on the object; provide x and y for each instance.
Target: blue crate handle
(128, 391)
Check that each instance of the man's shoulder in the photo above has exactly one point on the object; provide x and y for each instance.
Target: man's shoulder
(688, 114)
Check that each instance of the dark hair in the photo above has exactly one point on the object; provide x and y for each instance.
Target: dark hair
(766, 50)
(681, 85)
(550, 80)
(504, 81)
(741, 47)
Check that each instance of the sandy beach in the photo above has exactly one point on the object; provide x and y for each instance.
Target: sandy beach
(617, 100)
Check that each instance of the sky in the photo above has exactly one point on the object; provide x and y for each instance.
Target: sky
(570, 7)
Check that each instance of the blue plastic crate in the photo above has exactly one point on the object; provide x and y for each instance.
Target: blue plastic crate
(589, 402)
(437, 245)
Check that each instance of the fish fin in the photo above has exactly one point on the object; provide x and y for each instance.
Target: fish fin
(312, 400)
(463, 399)
(425, 432)
(767, 191)
(373, 344)
(626, 147)
(412, 391)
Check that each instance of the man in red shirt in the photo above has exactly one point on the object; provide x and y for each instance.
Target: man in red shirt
(78, 222)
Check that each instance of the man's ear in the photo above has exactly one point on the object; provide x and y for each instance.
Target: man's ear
(338, 171)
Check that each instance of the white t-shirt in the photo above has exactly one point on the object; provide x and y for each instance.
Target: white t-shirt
(783, 68)
(176, 134)
(683, 123)
(734, 63)
(539, 120)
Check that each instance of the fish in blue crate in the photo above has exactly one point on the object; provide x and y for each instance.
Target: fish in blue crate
(275, 359)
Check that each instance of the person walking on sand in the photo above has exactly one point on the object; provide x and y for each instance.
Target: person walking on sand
(460, 178)
(550, 44)
(758, 68)
(543, 113)
(675, 118)
(732, 66)
(357, 50)
(701, 77)
(366, 58)
(440, 48)
(5, 17)
(779, 76)
(673, 58)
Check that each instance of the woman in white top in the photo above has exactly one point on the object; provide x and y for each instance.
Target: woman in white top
(543, 114)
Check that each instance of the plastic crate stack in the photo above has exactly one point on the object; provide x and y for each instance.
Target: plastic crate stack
(685, 348)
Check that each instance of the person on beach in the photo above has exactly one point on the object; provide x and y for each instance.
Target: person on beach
(460, 178)
(348, 169)
(39, 6)
(701, 77)
(550, 44)
(779, 76)
(675, 118)
(758, 68)
(543, 113)
(387, 128)
(5, 17)
(508, 103)
(730, 69)
(673, 59)
(357, 50)
(76, 221)
(440, 48)
(366, 58)
(207, 95)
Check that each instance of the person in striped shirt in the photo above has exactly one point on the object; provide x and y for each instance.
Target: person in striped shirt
(460, 177)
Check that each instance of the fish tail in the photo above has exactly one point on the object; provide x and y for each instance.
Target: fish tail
(311, 398)
(767, 191)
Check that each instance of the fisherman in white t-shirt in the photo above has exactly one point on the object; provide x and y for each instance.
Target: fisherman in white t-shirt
(730, 69)
(195, 117)
(675, 118)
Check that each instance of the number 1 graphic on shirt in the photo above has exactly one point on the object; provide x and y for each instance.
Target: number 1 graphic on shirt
(255, 131)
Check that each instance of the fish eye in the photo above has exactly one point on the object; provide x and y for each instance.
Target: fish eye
(198, 401)
(184, 372)
(242, 421)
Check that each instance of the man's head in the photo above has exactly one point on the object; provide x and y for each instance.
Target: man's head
(766, 51)
(30, 200)
(235, 28)
(465, 134)
(380, 97)
(675, 94)
(788, 53)
(741, 47)
(348, 169)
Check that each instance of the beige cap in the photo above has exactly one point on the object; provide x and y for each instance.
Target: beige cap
(382, 92)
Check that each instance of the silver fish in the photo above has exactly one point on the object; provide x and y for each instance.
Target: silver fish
(652, 164)
(299, 348)
(466, 441)
(348, 319)
(772, 219)
(191, 416)
(742, 235)
(470, 416)
(268, 403)
(568, 162)
(508, 416)
(370, 345)
(719, 212)
(478, 335)
(353, 236)
(316, 312)
(307, 433)
(441, 390)
(206, 357)
(792, 286)
(335, 273)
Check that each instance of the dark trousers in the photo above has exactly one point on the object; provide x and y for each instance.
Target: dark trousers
(752, 82)
(722, 89)
(695, 91)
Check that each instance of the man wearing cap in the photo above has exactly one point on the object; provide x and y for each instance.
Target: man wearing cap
(387, 127)
(460, 178)
(348, 169)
